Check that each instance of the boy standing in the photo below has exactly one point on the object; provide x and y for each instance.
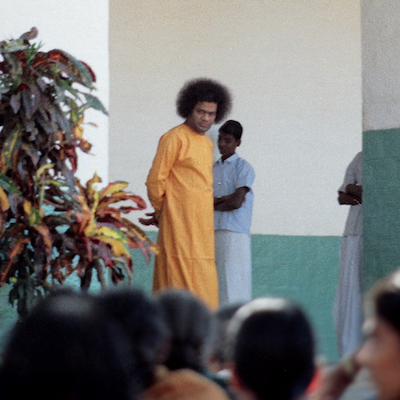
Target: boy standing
(233, 205)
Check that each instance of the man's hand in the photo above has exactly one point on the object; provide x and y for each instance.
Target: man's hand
(354, 190)
(149, 221)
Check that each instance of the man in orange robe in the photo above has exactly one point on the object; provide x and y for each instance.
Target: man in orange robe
(179, 187)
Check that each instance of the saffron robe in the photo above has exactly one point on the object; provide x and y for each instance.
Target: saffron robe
(179, 187)
(182, 384)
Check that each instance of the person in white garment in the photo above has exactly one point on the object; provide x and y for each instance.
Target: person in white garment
(347, 309)
(233, 205)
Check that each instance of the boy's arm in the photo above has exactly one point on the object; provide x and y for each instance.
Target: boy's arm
(232, 201)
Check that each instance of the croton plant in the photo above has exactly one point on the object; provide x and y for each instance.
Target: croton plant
(52, 225)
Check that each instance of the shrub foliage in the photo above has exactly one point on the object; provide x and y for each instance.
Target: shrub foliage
(52, 225)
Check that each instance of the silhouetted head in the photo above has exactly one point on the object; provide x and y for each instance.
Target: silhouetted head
(190, 324)
(141, 318)
(66, 348)
(271, 344)
(222, 317)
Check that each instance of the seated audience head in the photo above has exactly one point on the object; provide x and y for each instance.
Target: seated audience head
(380, 352)
(222, 316)
(141, 318)
(65, 349)
(190, 324)
(270, 342)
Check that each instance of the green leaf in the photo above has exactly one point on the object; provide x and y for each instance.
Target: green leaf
(79, 71)
(4, 84)
(95, 103)
(10, 147)
(16, 67)
(8, 184)
(64, 84)
(53, 182)
(14, 45)
(31, 52)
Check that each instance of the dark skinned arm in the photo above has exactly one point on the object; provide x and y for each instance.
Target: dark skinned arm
(232, 201)
(352, 196)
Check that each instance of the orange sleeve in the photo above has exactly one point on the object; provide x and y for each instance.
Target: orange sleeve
(166, 155)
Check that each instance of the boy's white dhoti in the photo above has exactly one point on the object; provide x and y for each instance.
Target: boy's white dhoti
(233, 259)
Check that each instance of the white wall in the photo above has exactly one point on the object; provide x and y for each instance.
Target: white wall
(294, 68)
(79, 27)
(381, 64)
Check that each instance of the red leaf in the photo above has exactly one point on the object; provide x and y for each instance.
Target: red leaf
(14, 253)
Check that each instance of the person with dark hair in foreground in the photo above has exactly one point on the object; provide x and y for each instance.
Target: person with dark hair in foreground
(190, 329)
(67, 349)
(271, 345)
(380, 352)
(185, 374)
(217, 361)
(143, 322)
(179, 187)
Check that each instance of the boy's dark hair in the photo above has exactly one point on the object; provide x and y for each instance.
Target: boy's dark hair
(273, 348)
(233, 128)
(203, 89)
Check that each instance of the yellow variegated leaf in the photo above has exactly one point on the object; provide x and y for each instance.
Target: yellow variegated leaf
(78, 131)
(90, 188)
(112, 188)
(53, 182)
(43, 168)
(33, 214)
(95, 179)
(95, 199)
(84, 220)
(9, 148)
(90, 227)
(44, 231)
(110, 232)
(82, 201)
(104, 231)
(34, 217)
(27, 205)
(117, 247)
(4, 202)
(78, 128)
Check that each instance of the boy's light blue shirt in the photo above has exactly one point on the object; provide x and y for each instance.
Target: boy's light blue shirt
(233, 173)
